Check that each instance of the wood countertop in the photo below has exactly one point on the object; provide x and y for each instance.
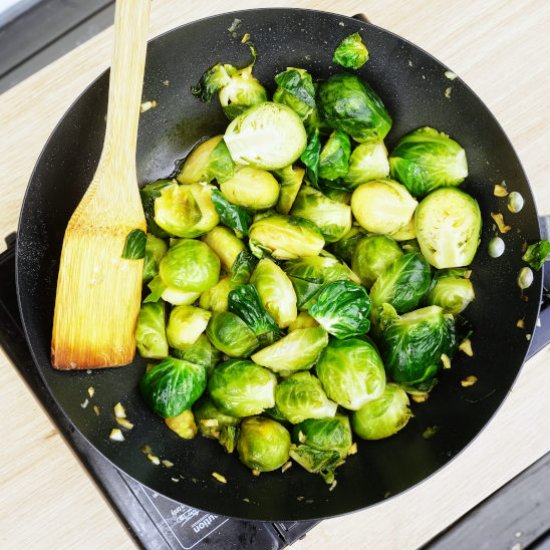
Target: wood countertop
(502, 50)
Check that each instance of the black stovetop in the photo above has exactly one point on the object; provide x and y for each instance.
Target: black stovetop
(154, 521)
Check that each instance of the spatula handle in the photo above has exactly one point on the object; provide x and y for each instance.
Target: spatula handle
(126, 82)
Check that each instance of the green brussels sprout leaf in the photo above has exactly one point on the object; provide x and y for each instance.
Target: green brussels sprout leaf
(536, 254)
(296, 90)
(155, 249)
(231, 215)
(202, 352)
(134, 247)
(213, 80)
(334, 157)
(243, 267)
(311, 155)
(214, 424)
(290, 178)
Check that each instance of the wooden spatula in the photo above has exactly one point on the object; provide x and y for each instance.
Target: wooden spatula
(98, 292)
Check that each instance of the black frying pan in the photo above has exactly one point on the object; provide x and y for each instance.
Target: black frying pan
(412, 85)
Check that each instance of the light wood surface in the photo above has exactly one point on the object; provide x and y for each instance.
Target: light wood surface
(502, 49)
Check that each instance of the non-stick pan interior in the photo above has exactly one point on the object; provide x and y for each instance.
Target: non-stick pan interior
(414, 88)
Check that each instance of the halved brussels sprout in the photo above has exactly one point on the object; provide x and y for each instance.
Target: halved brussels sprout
(186, 210)
(269, 136)
(382, 206)
(333, 218)
(252, 188)
(224, 243)
(151, 331)
(231, 215)
(190, 266)
(295, 88)
(214, 424)
(321, 445)
(290, 179)
(372, 256)
(304, 320)
(202, 352)
(426, 159)
(448, 227)
(351, 53)
(215, 298)
(208, 161)
(301, 396)
(245, 301)
(403, 283)
(183, 424)
(384, 416)
(334, 157)
(172, 386)
(344, 248)
(351, 372)
(263, 445)
(309, 274)
(179, 297)
(241, 388)
(368, 161)
(453, 294)
(155, 249)
(185, 325)
(286, 237)
(348, 103)
(342, 308)
(412, 344)
(148, 194)
(276, 292)
(298, 350)
(231, 335)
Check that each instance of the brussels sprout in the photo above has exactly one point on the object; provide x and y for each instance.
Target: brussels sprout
(403, 283)
(348, 103)
(405, 233)
(245, 301)
(215, 298)
(335, 155)
(382, 206)
(321, 445)
(185, 210)
(190, 266)
(295, 89)
(304, 320)
(185, 325)
(269, 136)
(202, 352)
(296, 351)
(263, 445)
(252, 188)
(309, 274)
(372, 256)
(351, 372)
(448, 227)
(241, 388)
(230, 214)
(351, 53)
(179, 297)
(213, 80)
(301, 396)
(412, 344)
(224, 243)
(183, 424)
(368, 161)
(331, 217)
(311, 156)
(344, 248)
(537, 254)
(208, 161)
(231, 335)
(151, 331)
(290, 179)
(384, 416)
(155, 249)
(214, 424)
(286, 237)
(242, 268)
(172, 386)
(426, 159)
(452, 294)
(149, 193)
(342, 308)
(276, 292)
